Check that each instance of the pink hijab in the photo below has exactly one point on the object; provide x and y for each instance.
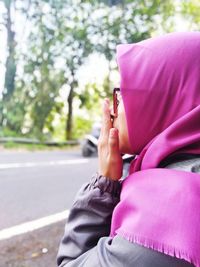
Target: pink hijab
(160, 85)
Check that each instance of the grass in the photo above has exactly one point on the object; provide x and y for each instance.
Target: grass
(36, 147)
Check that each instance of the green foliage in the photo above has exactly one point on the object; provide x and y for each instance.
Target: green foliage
(13, 111)
(81, 127)
(31, 147)
(8, 132)
(89, 97)
(34, 147)
(62, 35)
(190, 11)
(14, 116)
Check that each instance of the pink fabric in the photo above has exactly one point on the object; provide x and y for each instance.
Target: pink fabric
(160, 85)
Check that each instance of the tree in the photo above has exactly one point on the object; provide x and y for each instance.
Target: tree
(62, 35)
(8, 101)
(11, 45)
(126, 22)
(78, 39)
(190, 12)
(9, 84)
(63, 38)
(41, 82)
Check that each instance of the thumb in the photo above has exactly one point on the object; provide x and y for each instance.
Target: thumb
(113, 142)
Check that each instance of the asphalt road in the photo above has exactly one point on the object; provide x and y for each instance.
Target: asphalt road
(38, 184)
(34, 185)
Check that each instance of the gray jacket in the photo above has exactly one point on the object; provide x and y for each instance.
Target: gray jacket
(86, 241)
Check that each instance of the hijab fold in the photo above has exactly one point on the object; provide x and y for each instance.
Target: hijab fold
(160, 87)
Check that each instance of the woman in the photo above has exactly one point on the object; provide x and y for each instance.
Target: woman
(152, 218)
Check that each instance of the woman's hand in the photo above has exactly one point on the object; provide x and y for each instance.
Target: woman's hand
(109, 157)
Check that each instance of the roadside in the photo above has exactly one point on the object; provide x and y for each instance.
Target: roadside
(35, 147)
(34, 249)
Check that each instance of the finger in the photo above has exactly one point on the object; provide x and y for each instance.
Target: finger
(106, 118)
(106, 121)
(113, 142)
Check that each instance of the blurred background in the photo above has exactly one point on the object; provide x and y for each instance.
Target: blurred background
(57, 64)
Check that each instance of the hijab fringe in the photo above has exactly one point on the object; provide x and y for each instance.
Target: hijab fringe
(163, 248)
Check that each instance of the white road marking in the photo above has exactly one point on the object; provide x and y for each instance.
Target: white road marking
(32, 225)
(47, 163)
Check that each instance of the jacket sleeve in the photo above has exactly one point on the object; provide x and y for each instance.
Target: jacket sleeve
(88, 221)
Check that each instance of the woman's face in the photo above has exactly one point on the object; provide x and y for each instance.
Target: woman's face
(120, 124)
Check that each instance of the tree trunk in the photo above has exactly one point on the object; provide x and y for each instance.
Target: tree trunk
(9, 85)
(69, 123)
